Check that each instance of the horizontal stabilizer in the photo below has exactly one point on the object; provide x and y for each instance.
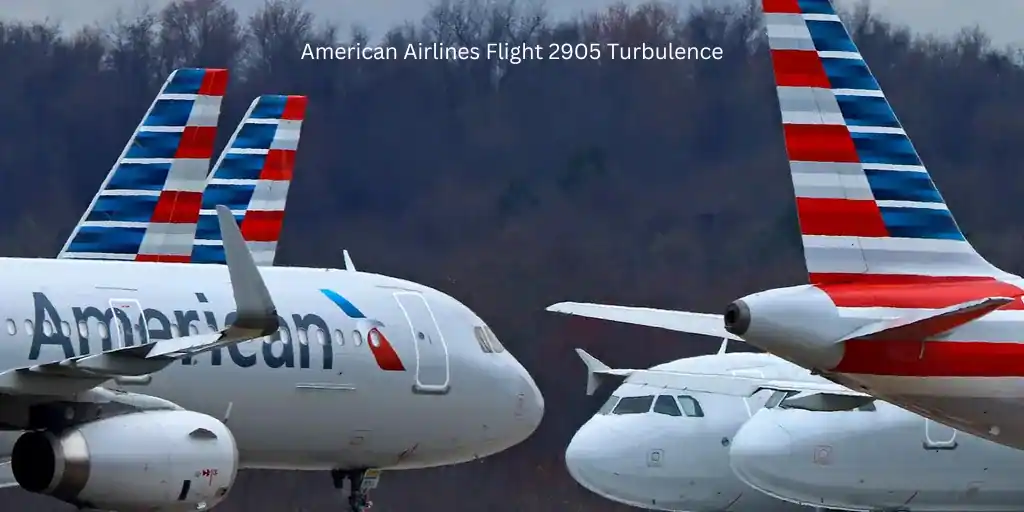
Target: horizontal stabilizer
(256, 317)
(733, 385)
(926, 324)
(598, 373)
(679, 321)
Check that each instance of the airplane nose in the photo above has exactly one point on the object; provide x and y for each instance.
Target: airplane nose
(530, 401)
(584, 456)
(759, 450)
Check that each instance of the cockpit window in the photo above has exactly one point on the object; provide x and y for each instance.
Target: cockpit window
(665, 404)
(481, 338)
(690, 406)
(634, 405)
(496, 345)
(608, 405)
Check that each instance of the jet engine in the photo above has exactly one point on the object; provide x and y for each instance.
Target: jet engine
(153, 460)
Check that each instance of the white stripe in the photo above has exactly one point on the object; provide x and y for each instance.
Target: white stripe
(912, 204)
(822, 17)
(880, 313)
(164, 129)
(114, 224)
(99, 256)
(248, 151)
(840, 55)
(272, 120)
(232, 181)
(875, 129)
(962, 387)
(200, 241)
(893, 167)
(213, 213)
(147, 160)
(888, 243)
(177, 96)
(858, 92)
(130, 192)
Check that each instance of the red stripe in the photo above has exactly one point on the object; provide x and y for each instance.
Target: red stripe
(215, 82)
(166, 258)
(799, 68)
(294, 108)
(262, 226)
(384, 353)
(839, 277)
(177, 207)
(936, 295)
(196, 142)
(781, 6)
(819, 143)
(278, 165)
(914, 358)
(840, 217)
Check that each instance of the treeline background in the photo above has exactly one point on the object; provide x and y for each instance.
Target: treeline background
(511, 187)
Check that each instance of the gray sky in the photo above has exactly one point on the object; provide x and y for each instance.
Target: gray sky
(1001, 19)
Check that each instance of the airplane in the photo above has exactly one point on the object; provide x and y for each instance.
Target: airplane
(898, 305)
(872, 458)
(659, 444)
(401, 376)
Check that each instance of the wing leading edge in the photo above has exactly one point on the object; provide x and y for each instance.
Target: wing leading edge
(256, 317)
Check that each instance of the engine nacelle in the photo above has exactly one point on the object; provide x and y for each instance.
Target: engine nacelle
(799, 323)
(154, 460)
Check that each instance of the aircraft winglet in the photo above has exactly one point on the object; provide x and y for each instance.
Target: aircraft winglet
(351, 267)
(680, 321)
(598, 372)
(926, 324)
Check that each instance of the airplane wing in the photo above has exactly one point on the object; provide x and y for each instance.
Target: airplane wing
(256, 317)
(680, 321)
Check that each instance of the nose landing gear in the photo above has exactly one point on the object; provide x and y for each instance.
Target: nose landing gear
(361, 481)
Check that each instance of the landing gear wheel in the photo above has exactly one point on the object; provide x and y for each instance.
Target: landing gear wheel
(358, 494)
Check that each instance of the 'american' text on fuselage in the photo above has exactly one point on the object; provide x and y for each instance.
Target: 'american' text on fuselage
(158, 327)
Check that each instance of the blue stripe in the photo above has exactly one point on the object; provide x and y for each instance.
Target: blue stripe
(920, 223)
(849, 74)
(123, 208)
(255, 136)
(134, 176)
(93, 239)
(208, 228)
(269, 107)
(830, 36)
(235, 197)
(902, 186)
(885, 148)
(867, 111)
(816, 7)
(186, 81)
(350, 309)
(154, 145)
(169, 113)
(239, 166)
(208, 254)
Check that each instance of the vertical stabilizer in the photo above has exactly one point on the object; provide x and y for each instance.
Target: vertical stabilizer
(251, 178)
(868, 209)
(148, 205)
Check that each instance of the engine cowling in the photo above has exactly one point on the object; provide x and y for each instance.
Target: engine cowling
(153, 460)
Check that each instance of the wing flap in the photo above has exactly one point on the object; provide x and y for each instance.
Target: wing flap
(679, 321)
(733, 385)
(926, 324)
(256, 318)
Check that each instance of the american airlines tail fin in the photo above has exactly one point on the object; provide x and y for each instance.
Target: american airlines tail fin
(868, 209)
(148, 205)
(252, 177)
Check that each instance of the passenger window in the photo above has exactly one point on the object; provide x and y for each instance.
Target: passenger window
(83, 329)
(28, 327)
(286, 336)
(47, 328)
(193, 330)
(321, 337)
(175, 333)
(357, 338)
(608, 405)
(339, 338)
(690, 406)
(12, 328)
(634, 405)
(665, 404)
(495, 344)
(102, 329)
(303, 337)
(481, 338)
(65, 329)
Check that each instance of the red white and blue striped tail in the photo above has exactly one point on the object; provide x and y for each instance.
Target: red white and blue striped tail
(868, 210)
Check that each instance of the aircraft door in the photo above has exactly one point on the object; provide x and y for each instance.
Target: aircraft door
(432, 365)
(938, 436)
(129, 326)
(752, 403)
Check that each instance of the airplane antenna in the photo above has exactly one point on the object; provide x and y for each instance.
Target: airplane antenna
(351, 267)
(725, 344)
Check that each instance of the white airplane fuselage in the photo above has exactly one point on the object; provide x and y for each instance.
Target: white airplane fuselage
(680, 462)
(882, 459)
(329, 393)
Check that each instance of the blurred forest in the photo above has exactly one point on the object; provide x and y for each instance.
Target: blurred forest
(660, 183)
